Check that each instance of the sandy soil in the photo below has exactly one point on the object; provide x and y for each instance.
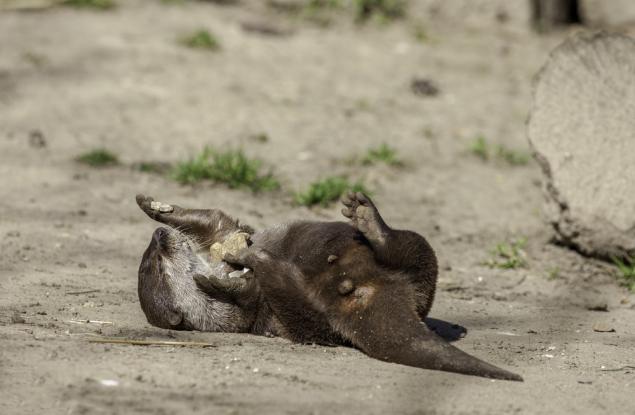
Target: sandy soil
(72, 236)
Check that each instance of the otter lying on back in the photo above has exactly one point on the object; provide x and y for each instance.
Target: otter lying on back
(359, 283)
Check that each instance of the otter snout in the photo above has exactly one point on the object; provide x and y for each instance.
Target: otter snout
(161, 240)
(159, 234)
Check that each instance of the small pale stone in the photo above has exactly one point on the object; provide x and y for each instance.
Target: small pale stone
(165, 208)
(155, 205)
(331, 259)
(238, 273)
(603, 327)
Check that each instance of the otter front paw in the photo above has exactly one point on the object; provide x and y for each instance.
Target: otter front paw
(365, 217)
(222, 286)
(250, 258)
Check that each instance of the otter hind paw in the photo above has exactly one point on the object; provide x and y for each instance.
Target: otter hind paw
(364, 216)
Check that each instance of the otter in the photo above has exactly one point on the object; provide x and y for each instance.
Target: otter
(360, 284)
(168, 294)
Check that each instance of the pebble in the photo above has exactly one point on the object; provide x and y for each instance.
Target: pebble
(424, 87)
(603, 328)
(598, 307)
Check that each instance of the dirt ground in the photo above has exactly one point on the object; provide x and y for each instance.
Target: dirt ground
(72, 236)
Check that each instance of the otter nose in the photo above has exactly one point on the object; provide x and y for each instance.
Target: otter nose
(159, 234)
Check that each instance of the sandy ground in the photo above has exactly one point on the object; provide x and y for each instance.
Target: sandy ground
(72, 236)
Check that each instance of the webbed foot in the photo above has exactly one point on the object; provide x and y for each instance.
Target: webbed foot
(365, 217)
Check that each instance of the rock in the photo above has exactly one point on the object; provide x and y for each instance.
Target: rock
(603, 327)
(424, 87)
(582, 130)
(600, 306)
(36, 139)
(161, 207)
(607, 13)
(232, 245)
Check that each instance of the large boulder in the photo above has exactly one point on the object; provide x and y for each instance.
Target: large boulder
(582, 129)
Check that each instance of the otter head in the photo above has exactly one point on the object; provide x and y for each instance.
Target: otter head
(168, 295)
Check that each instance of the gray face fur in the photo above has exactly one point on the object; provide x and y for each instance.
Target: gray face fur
(169, 296)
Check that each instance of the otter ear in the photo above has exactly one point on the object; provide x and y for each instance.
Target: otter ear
(174, 318)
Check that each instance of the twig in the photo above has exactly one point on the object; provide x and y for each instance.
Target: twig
(618, 369)
(150, 342)
(90, 322)
(517, 283)
(82, 292)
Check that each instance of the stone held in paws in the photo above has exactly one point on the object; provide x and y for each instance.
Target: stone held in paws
(232, 245)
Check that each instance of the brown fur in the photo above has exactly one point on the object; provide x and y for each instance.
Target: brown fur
(362, 284)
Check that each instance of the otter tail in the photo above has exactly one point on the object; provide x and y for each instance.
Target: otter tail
(429, 351)
(385, 326)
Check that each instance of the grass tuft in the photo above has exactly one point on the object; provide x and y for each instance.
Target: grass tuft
(553, 274)
(231, 167)
(99, 157)
(157, 167)
(508, 255)
(420, 33)
(316, 5)
(512, 157)
(325, 191)
(480, 148)
(485, 151)
(201, 39)
(384, 10)
(382, 154)
(626, 268)
(91, 4)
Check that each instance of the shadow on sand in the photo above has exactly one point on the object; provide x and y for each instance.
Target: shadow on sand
(449, 331)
